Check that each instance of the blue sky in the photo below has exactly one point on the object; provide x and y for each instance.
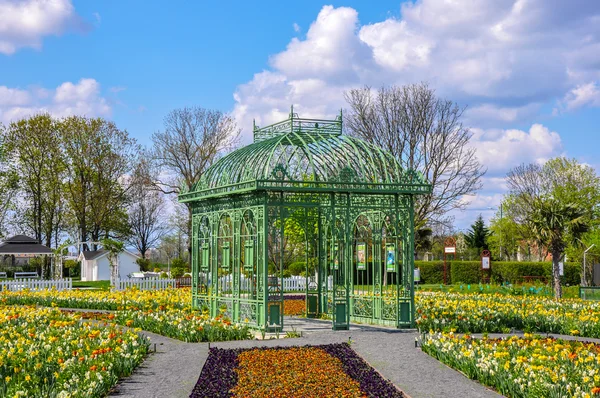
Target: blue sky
(528, 70)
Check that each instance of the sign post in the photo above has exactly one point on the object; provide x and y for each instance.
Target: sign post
(449, 248)
(486, 265)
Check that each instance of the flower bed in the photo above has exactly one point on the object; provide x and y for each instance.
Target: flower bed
(186, 325)
(532, 367)
(333, 370)
(44, 352)
(131, 299)
(468, 313)
(167, 312)
(294, 305)
(164, 311)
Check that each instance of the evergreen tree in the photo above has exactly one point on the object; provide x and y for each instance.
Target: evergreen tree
(477, 235)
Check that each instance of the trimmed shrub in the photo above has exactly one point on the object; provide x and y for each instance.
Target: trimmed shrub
(432, 272)
(465, 271)
(144, 264)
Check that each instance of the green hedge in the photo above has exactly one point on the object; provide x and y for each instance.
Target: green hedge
(432, 272)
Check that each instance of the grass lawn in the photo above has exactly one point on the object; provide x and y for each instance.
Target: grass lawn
(102, 285)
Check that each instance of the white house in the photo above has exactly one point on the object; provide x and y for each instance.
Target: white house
(96, 267)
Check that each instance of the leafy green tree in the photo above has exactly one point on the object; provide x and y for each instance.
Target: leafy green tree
(476, 236)
(9, 182)
(505, 238)
(72, 267)
(179, 267)
(554, 222)
(38, 162)
(423, 240)
(144, 264)
(97, 156)
(558, 202)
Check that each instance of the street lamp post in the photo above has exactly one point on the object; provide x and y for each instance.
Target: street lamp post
(501, 231)
(584, 263)
(495, 208)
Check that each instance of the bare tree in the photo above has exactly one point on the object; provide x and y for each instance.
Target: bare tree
(192, 139)
(424, 133)
(146, 210)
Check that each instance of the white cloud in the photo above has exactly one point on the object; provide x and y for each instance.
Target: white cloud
(583, 95)
(501, 150)
(26, 23)
(505, 58)
(82, 98)
(296, 27)
(13, 97)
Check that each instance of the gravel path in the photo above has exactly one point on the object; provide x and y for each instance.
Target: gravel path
(171, 372)
(175, 367)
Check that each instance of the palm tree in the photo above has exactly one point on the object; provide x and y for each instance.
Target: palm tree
(557, 224)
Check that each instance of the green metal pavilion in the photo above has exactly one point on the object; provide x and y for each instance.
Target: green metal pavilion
(350, 203)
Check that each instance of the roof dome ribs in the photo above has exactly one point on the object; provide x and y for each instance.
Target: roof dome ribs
(308, 155)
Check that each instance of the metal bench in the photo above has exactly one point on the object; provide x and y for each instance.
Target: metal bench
(22, 275)
(3, 275)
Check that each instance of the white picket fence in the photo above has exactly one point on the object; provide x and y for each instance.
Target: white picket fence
(292, 284)
(145, 284)
(35, 284)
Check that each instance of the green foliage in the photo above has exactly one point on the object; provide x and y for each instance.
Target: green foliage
(144, 264)
(476, 237)
(557, 203)
(112, 246)
(465, 272)
(297, 268)
(551, 220)
(179, 267)
(432, 272)
(505, 234)
(423, 240)
(97, 155)
(71, 268)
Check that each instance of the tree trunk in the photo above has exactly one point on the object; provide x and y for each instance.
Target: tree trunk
(555, 274)
(114, 269)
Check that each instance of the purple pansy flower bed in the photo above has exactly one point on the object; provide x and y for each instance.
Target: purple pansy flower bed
(288, 297)
(371, 382)
(218, 376)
